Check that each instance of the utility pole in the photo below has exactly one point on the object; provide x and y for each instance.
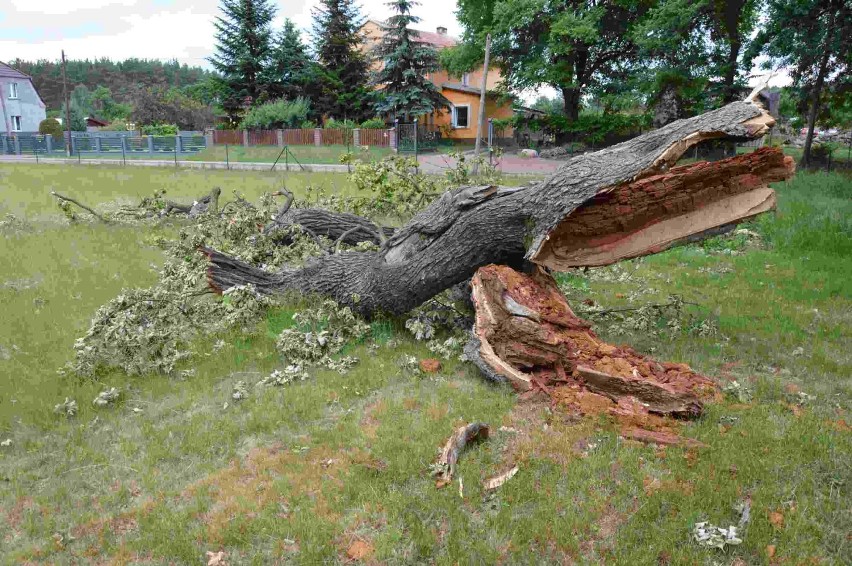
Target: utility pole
(480, 124)
(67, 106)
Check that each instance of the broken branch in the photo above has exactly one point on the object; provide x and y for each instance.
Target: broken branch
(445, 467)
(81, 205)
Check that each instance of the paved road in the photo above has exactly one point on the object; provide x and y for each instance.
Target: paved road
(434, 163)
(508, 164)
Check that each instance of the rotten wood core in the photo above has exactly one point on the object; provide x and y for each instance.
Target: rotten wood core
(649, 215)
(526, 334)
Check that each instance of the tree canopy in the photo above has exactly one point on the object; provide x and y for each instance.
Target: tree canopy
(243, 49)
(813, 38)
(342, 91)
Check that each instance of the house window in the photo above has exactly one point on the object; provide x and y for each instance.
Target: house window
(461, 116)
(466, 79)
(16, 123)
(13, 90)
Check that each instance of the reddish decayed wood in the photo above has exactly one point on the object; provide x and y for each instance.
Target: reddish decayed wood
(529, 335)
(650, 214)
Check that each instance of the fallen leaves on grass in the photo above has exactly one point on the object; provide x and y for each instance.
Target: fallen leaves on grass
(776, 518)
(67, 408)
(430, 365)
(359, 550)
(105, 398)
(711, 536)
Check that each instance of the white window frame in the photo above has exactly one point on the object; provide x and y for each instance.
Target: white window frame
(16, 123)
(13, 90)
(465, 79)
(456, 116)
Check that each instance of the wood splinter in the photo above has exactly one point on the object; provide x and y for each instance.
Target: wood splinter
(444, 468)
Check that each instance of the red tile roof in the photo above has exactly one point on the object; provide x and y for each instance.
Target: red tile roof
(439, 40)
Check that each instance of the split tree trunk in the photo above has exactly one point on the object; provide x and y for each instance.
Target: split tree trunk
(598, 208)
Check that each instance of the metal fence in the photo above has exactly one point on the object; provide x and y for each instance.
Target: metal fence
(115, 143)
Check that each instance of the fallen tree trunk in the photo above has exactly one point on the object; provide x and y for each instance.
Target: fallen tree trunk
(526, 334)
(620, 202)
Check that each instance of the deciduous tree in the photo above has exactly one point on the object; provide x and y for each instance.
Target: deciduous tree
(574, 46)
(813, 38)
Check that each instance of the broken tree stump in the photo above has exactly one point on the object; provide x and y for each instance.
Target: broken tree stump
(526, 334)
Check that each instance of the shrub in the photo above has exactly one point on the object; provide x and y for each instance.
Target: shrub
(160, 130)
(50, 127)
(591, 127)
(277, 114)
(333, 124)
(373, 124)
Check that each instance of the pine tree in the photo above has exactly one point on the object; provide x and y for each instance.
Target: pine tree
(342, 86)
(291, 67)
(405, 61)
(243, 49)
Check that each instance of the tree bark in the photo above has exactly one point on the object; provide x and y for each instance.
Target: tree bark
(627, 200)
(815, 98)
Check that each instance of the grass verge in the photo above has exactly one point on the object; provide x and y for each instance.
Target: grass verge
(336, 466)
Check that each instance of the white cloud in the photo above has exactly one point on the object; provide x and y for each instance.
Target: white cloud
(153, 29)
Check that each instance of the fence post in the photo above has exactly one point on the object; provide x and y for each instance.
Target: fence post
(394, 137)
(5, 145)
(416, 135)
(124, 150)
(48, 141)
(178, 144)
(279, 137)
(317, 137)
(245, 138)
(73, 144)
(18, 145)
(208, 139)
(356, 137)
(97, 144)
(151, 145)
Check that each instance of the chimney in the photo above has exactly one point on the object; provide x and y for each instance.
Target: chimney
(442, 30)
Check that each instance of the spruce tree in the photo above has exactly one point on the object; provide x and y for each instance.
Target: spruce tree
(343, 92)
(406, 92)
(243, 49)
(291, 67)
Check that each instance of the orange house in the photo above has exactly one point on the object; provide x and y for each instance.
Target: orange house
(459, 122)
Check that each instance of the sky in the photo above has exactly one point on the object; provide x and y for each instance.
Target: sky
(151, 29)
(161, 29)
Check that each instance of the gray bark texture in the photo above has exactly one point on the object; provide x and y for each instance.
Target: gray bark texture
(473, 226)
(349, 229)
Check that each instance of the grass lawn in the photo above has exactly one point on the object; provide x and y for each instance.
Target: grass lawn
(305, 473)
(305, 154)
